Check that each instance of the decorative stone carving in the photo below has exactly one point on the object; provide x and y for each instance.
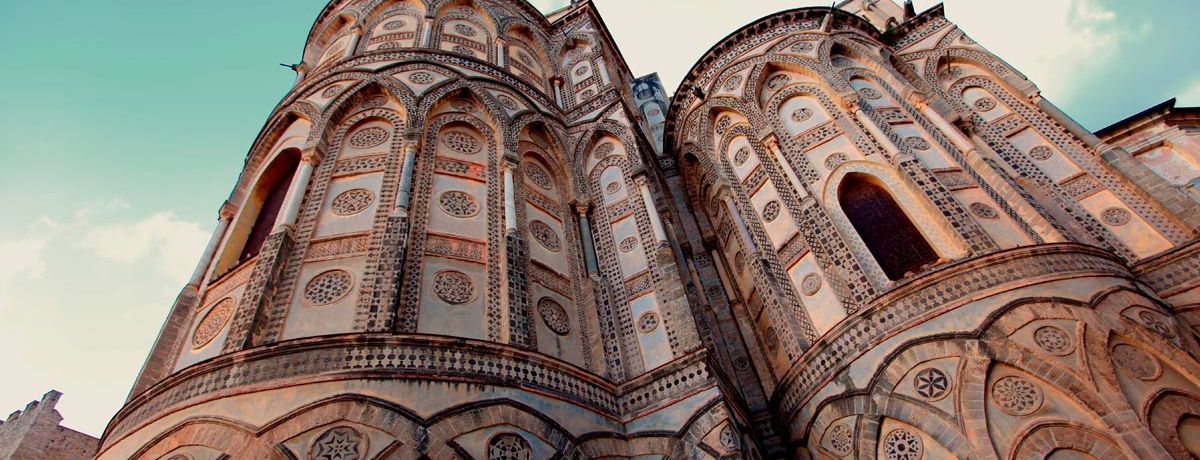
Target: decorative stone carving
(778, 81)
(740, 157)
(802, 47)
(613, 187)
(1116, 216)
(917, 143)
(421, 78)
(369, 137)
(983, 210)
(1156, 323)
(338, 443)
(1136, 363)
(733, 83)
(728, 437)
(545, 235)
(723, 125)
(931, 384)
(458, 204)
(834, 159)
(810, 284)
(554, 316)
(331, 91)
(603, 149)
(1016, 395)
(328, 287)
(772, 338)
(1053, 340)
(465, 30)
(739, 262)
(628, 244)
(870, 93)
(841, 439)
(374, 101)
(508, 446)
(771, 211)
(213, 322)
(351, 202)
(1041, 153)
(648, 322)
(461, 142)
(538, 176)
(984, 104)
(453, 287)
(801, 114)
(901, 444)
(507, 102)
(393, 25)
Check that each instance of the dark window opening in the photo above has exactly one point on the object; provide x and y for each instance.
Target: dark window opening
(890, 236)
(265, 221)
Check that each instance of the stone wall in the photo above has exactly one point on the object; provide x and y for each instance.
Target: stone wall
(35, 433)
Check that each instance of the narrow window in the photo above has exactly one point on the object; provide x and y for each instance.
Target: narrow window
(265, 221)
(890, 236)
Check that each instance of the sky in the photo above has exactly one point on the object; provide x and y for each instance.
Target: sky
(124, 125)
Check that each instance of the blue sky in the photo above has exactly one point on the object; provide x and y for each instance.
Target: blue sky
(125, 125)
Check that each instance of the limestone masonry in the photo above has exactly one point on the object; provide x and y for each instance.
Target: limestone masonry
(35, 434)
(853, 232)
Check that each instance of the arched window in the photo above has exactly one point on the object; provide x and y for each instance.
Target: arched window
(508, 446)
(890, 236)
(259, 212)
(1189, 434)
(275, 193)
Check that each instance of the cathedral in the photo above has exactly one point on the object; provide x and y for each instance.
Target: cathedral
(852, 232)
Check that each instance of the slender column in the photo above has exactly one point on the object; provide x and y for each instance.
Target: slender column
(210, 250)
(655, 220)
(589, 249)
(956, 137)
(510, 200)
(355, 36)
(892, 149)
(426, 32)
(741, 226)
(773, 146)
(295, 194)
(406, 173)
(500, 58)
(558, 97)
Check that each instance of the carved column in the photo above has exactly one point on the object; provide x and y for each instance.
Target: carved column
(295, 193)
(518, 330)
(589, 248)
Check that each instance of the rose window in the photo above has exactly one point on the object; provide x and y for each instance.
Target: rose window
(461, 142)
(1016, 395)
(545, 235)
(458, 204)
(453, 287)
(1116, 216)
(509, 446)
(1052, 339)
(213, 322)
(351, 202)
(328, 287)
(554, 316)
(369, 137)
(648, 322)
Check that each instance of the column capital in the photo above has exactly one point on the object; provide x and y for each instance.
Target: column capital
(312, 157)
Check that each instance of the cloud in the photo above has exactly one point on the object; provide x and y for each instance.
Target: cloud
(1189, 96)
(20, 258)
(1060, 44)
(163, 239)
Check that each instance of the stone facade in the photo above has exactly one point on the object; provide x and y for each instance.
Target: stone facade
(36, 434)
(469, 232)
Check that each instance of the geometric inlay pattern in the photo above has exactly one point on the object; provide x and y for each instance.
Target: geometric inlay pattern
(801, 114)
(841, 439)
(771, 211)
(628, 244)
(465, 30)
(901, 444)
(554, 315)
(1054, 340)
(538, 176)
(352, 201)
(453, 287)
(1016, 395)
(338, 443)
(983, 211)
(648, 322)
(1115, 216)
(509, 446)
(984, 104)
(1041, 153)
(328, 287)
(1136, 363)
(728, 437)
(461, 142)
(810, 284)
(915, 142)
(931, 384)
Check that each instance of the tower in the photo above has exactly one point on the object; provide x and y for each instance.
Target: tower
(469, 232)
